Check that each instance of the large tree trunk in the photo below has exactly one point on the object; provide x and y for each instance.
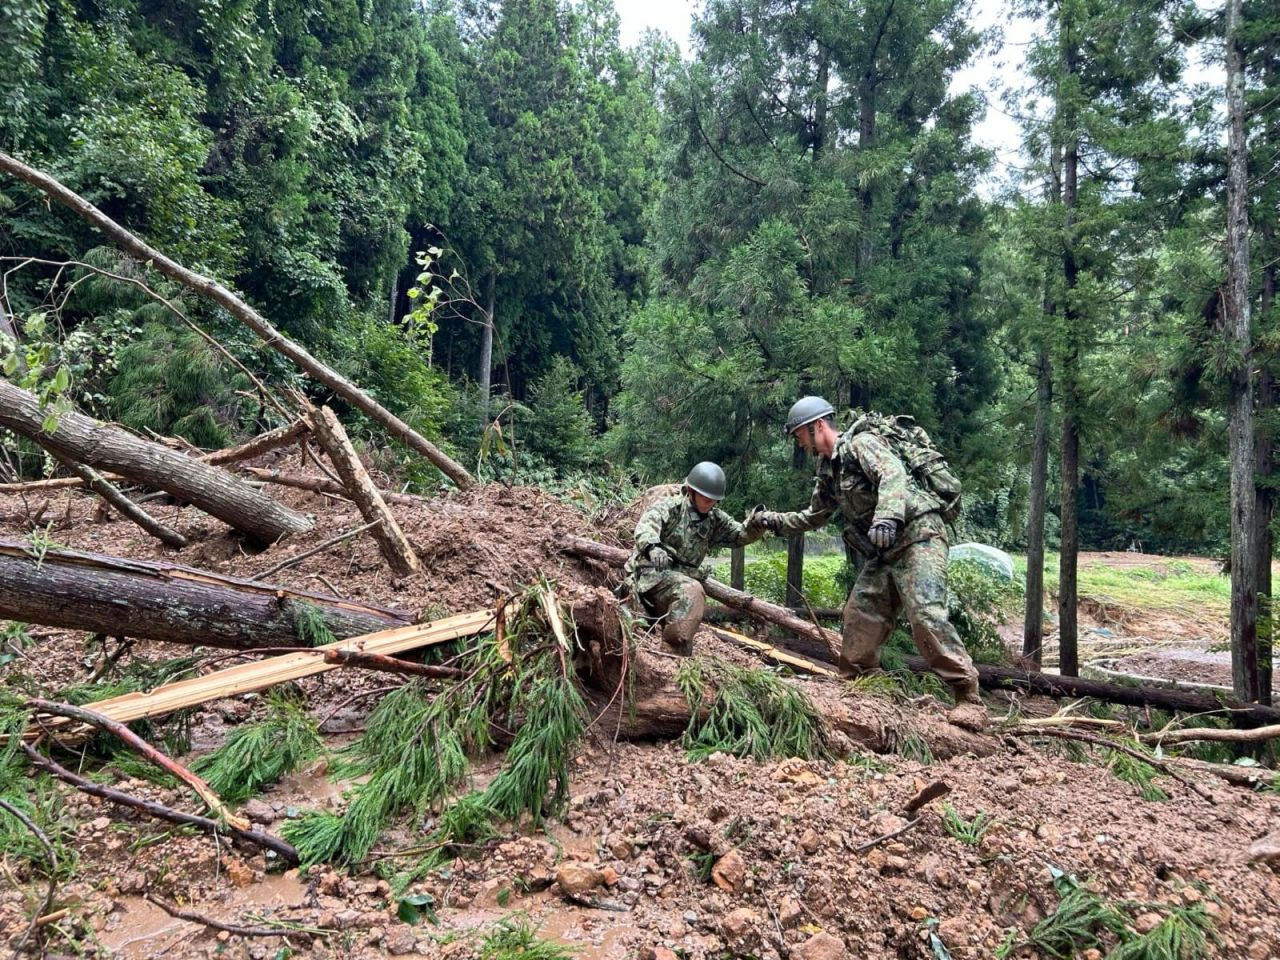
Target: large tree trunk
(1033, 615)
(1244, 557)
(824, 645)
(158, 601)
(486, 346)
(1264, 505)
(245, 314)
(84, 440)
(1070, 456)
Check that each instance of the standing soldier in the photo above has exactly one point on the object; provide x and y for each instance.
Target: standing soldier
(672, 539)
(893, 515)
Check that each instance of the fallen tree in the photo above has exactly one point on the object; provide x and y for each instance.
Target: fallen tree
(263, 443)
(817, 641)
(77, 438)
(255, 321)
(323, 485)
(161, 601)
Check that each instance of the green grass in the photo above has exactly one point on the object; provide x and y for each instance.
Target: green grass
(516, 938)
(1162, 584)
(968, 832)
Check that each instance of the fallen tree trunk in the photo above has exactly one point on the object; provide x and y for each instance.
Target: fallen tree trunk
(126, 507)
(383, 528)
(263, 443)
(244, 313)
(81, 439)
(323, 485)
(822, 643)
(158, 601)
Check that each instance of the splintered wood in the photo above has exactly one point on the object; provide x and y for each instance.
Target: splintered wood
(261, 674)
(391, 540)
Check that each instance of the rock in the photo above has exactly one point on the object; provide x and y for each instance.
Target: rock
(730, 872)
(740, 925)
(954, 931)
(347, 919)
(100, 824)
(919, 913)
(610, 876)
(1147, 922)
(240, 873)
(622, 848)
(1259, 950)
(259, 811)
(821, 946)
(897, 864)
(401, 940)
(1267, 849)
(576, 879)
(790, 912)
(810, 841)
(658, 953)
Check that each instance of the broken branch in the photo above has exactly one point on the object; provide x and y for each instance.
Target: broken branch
(43, 839)
(158, 810)
(220, 295)
(174, 911)
(385, 664)
(332, 541)
(126, 507)
(144, 750)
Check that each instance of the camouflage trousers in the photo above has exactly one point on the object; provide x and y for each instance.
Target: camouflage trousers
(910, 578)
(678, 601)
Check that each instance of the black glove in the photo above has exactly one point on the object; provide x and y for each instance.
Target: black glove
(765, 520)
(659, 559)
(883, 533)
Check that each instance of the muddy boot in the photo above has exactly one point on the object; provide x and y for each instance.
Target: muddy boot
(969, 711)
(677, 637)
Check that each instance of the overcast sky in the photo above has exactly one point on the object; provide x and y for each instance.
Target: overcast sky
(996, 70)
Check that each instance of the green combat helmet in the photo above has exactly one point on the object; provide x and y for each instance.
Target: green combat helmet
(707, 479)
(805, 411)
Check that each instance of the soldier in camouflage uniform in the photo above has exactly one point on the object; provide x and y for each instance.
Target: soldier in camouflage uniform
(672, 540)
(894, 522)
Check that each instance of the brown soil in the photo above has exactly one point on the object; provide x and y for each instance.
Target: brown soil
(651, 820)
(1188, 666)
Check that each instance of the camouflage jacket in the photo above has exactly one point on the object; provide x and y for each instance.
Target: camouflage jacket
(865, 481)
(686, 535)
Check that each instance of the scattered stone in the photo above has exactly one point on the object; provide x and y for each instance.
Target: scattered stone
(821, 946)
(622, 848)
(810, 842)
(790, 912)
(919, 913)
(1147, 922)
(259, 811)
(740, 925)
(1267, 849)
(610, 876)
(730, 872)
(576, 879)
(659, 953)
(401, 940)
(954, 931)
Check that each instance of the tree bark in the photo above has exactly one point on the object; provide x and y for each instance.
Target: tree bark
(795, 552)
(220, 295)
(1033, 615)
(824, 644)
(486, 345)
(387, 533)
(82, 439)
(1265, 504)
(126, 507)
(167, 602)
(325, 485)
(1244, 546)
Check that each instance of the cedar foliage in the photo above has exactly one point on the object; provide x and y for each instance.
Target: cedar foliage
(419, 742)
(259, 754)
(748, 713)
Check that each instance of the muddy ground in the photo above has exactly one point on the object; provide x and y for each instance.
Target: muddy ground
(646, 826)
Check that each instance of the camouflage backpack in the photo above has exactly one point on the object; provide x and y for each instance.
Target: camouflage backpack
(922, 459)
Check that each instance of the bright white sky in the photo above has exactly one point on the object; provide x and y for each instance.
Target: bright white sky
(997, 70)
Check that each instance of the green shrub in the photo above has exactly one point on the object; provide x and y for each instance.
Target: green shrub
(978, 600)
(766, 577)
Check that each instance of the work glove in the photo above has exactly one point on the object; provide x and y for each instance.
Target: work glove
(659, 559)
(765, 520)
(883, 533)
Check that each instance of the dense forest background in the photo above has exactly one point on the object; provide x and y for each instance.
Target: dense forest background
(577, 263)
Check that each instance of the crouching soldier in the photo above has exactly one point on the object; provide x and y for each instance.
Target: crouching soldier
(672, 540)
